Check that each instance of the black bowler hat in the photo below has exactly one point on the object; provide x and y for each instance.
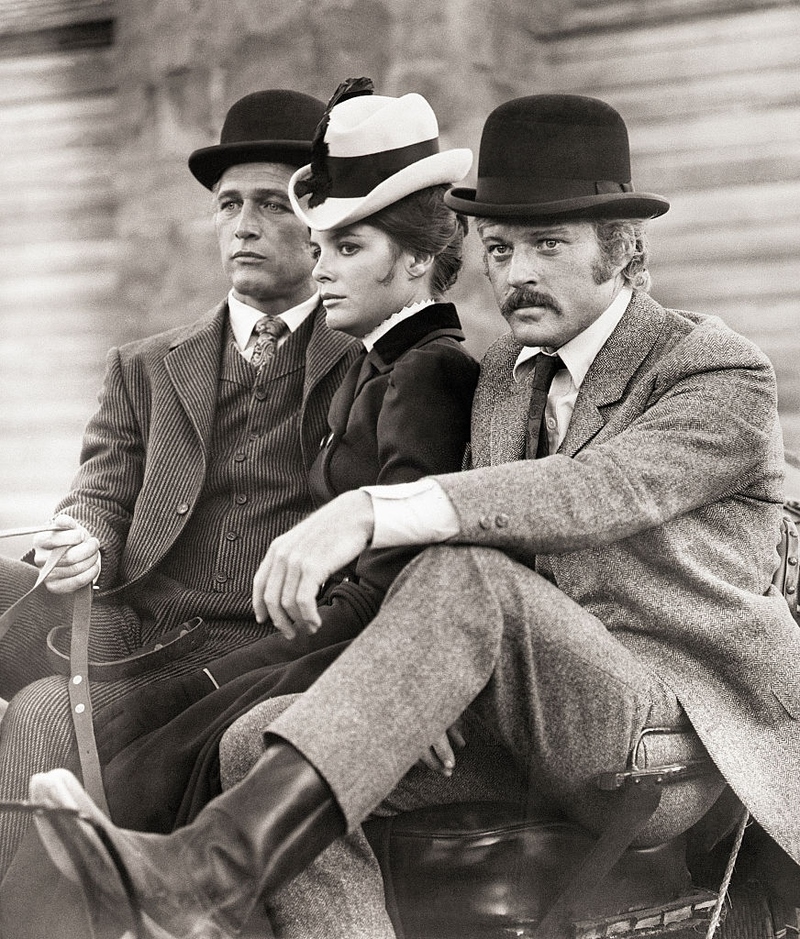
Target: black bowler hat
(274, 126)
(555, 155)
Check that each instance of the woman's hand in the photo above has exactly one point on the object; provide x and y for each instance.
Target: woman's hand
(441, 756)
(299, 562)
(80, 563)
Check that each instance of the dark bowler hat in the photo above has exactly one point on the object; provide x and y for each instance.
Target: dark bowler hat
(555, 155)
(274, 126)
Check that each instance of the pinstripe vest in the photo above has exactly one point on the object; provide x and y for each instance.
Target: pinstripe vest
(256, 487)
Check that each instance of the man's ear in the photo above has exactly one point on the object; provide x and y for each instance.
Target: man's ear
(418, 265)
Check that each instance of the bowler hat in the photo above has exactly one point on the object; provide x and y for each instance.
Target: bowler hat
(374, 150)
(555, 155)
(274, 126)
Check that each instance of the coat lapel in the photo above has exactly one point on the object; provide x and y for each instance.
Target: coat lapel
(500, 407)
(510, 420)
(325, 347)
(193, 367)
(611, 372)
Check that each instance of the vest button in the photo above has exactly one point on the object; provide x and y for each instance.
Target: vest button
(231, 536)
(182, 508)
(241, 499)
(220, 578)
(240, 457)
(260, 394)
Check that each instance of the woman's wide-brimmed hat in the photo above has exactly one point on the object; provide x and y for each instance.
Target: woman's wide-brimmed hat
(374, 151)
(555, 155)
(274, 126)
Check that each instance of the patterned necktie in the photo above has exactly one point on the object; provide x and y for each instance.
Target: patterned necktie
(545, 367)
(269, 330)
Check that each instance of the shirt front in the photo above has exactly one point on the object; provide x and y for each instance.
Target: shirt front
(420, 512)
(244, 317)
(577, 356)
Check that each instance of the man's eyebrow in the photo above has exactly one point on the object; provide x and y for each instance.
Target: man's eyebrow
(268, 193)
(496, 229)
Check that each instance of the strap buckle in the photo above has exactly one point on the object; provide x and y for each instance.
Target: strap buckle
(659, 775)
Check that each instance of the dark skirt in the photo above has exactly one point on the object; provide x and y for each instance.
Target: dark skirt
(159, 746)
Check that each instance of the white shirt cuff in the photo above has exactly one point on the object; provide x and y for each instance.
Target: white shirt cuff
(411, 513)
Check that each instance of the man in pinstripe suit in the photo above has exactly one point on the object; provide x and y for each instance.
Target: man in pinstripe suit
(197, 457)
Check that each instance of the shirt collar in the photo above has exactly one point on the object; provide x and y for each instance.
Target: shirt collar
(244, 317)
(579, 353)
(382, 328)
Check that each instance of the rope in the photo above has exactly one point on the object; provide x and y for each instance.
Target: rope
(726, 880)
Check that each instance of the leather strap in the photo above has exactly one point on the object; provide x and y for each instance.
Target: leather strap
(9, 617)
(80, 699)
(634, 808)
(170, 647)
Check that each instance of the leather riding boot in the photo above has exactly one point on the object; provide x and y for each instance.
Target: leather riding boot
(203, 879)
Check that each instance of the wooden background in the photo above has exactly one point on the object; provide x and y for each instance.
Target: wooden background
(104, 235)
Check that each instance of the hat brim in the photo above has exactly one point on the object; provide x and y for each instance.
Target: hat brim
(444, 168)
(209, 163)
(633, 205)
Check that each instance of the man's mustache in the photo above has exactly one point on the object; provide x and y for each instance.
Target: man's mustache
(524, 296)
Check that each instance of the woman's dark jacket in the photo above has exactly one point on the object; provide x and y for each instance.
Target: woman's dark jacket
(401, 413)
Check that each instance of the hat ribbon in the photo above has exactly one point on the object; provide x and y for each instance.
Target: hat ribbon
(529, 189)
(354, 177)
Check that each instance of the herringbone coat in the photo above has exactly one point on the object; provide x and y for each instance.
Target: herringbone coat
(659, 514)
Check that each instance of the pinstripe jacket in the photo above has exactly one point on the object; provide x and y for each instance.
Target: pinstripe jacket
(659, 514)
(144, 454)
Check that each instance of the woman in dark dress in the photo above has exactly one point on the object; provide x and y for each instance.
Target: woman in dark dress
(387, 249)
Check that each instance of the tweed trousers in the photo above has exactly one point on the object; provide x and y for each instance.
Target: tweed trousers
(36, 732)
(547, 679)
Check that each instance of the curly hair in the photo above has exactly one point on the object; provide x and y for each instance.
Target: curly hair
(421, 223)
(616, 238)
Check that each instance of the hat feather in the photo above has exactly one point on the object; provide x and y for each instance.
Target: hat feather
(319, 181)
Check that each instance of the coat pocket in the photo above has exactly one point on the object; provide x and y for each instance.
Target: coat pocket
(787, 703)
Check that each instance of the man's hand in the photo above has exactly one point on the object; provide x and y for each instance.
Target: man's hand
(79, 565)
(441, 756)
(299, 562)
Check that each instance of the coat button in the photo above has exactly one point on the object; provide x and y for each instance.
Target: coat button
(221, 578)
(240, 499)
(240, 457)
(182, 508)
(501, 520)
(485, 522)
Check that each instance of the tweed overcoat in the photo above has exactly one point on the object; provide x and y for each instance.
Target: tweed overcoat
(144, 456)
(659, 514)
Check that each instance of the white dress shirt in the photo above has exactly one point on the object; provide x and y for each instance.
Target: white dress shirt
(420, 512)
(244, 318)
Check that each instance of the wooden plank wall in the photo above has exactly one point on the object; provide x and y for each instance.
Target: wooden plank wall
(58, 256)
(711, 92)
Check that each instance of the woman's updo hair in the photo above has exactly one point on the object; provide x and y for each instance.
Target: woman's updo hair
(422, 224)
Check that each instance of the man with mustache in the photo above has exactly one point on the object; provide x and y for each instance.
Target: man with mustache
(603, 570)
(197, 457)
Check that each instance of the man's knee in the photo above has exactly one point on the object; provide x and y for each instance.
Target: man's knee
(242, 744)
(40, 701)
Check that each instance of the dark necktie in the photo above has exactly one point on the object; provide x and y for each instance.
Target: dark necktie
(545, 367)
(269, 330)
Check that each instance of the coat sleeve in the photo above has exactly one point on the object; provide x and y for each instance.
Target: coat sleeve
(703, 429)
(422, 430)
(112, 460)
